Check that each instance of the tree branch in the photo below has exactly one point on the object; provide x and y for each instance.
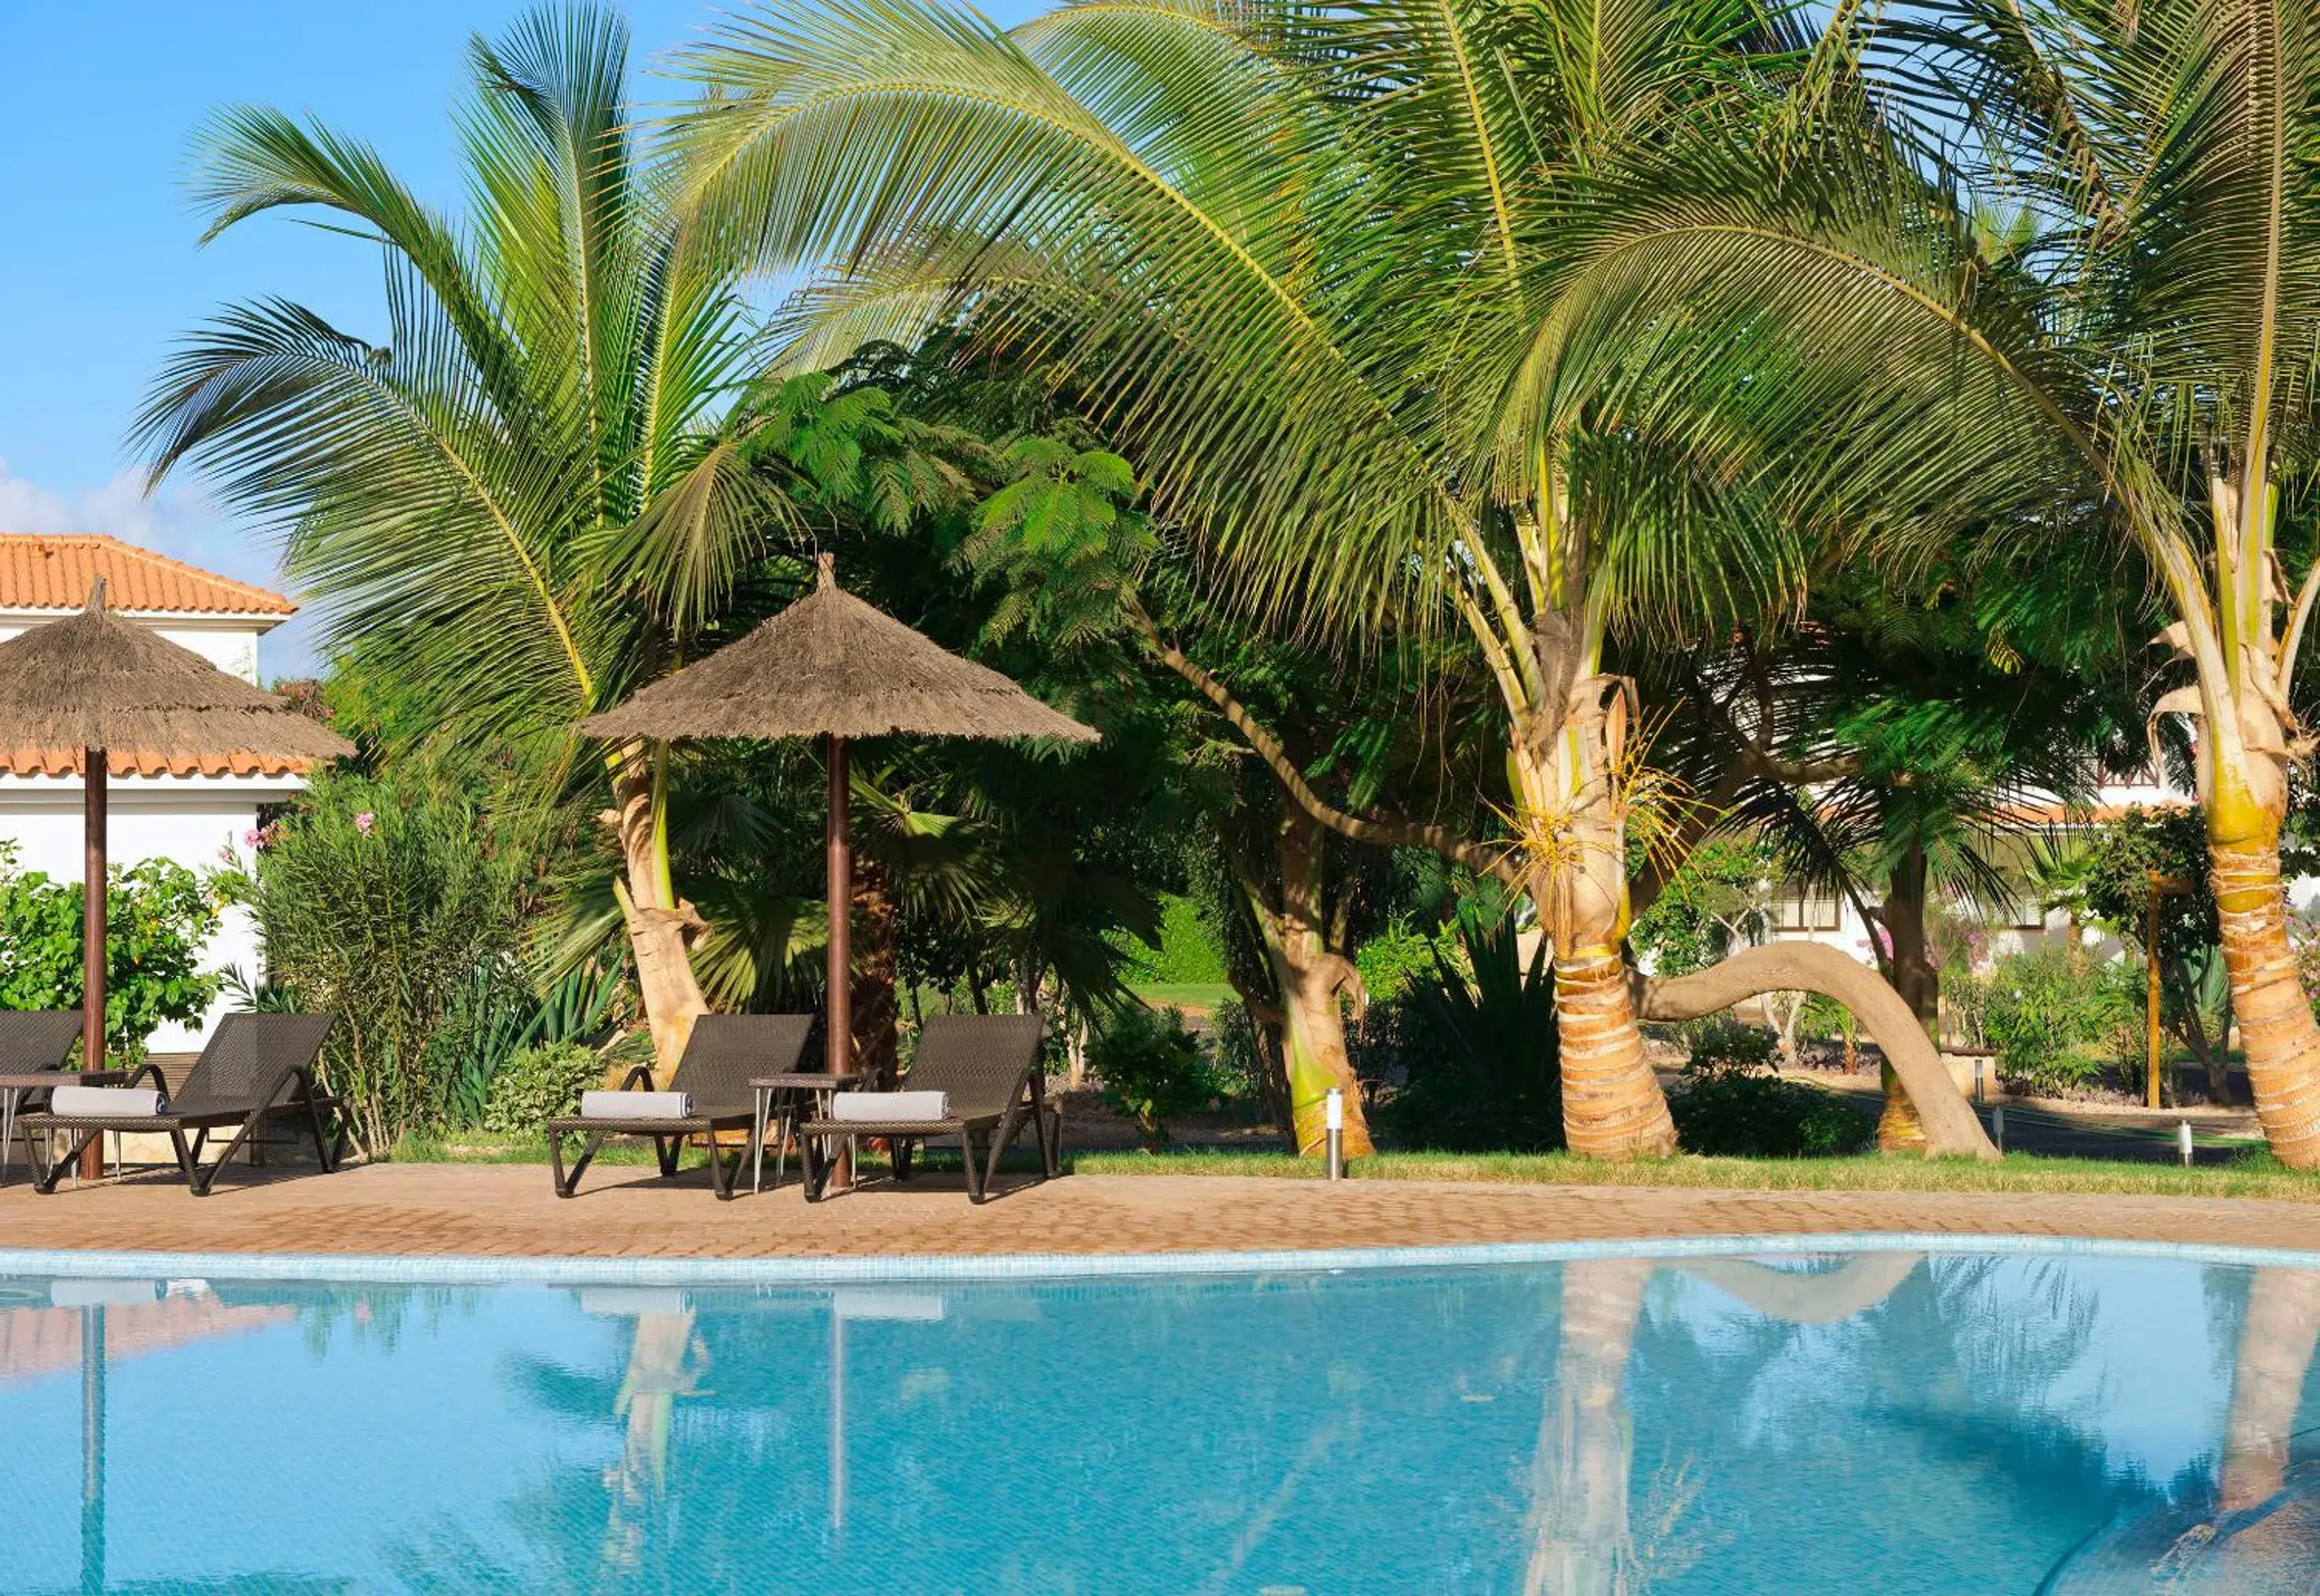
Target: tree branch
(1383, 831)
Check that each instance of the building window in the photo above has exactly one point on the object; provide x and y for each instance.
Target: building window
(1807, 909)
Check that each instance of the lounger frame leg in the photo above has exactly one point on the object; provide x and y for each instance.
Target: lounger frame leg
(900, 1149)
(569, 1185)
(669, 1149)
(976, 1190)
(48, 1177)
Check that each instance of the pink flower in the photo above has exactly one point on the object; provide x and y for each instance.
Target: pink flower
(226, 856)
(252, 839)
(365, 821)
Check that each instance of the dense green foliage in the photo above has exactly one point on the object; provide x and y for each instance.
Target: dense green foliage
(1484, 1067)
(1152, 1069)
(157, 917)
(538, 1083)
(2059, 1020)
(387, 903)
(1730, 1104)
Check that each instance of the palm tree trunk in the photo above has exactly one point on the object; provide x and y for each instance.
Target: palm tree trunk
(2276, 1024)
(1899, 1129)
(1612, 1104)
(1309, 978)
(2277, 1340)
(1580, 1543)
(874, 1006)
(661, 928)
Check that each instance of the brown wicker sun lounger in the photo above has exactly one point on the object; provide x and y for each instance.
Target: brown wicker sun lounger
(254, 1066)
(721, 1057)
(989, 1066)
(32, 1042)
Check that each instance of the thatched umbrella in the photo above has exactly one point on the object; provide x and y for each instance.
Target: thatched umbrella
(830, 666)
(94, 682)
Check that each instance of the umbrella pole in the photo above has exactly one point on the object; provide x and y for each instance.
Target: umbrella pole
(92, 936)
(839, 1009)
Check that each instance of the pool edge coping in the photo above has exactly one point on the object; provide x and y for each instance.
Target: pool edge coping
(846, 1270)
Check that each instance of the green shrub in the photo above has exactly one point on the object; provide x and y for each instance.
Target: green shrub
(538, 1083)
(1238, 1058)
(157, 917)
(386, 903)
(1726, 1042)
(2054, 1021)
(1400, 957)
(1730, 1104)
(1151, 1069)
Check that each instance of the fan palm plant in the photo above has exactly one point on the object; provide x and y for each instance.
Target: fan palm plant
(1297, 256)
(2132, 344)
(530, 495)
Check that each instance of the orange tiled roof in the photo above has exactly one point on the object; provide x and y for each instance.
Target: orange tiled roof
(39, 572)
(121, 762)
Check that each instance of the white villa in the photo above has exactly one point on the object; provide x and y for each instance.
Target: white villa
(182, 809)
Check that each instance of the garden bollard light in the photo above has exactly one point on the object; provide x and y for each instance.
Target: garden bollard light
(2183, 1140)
(1998, 1126)
(1337, 1123)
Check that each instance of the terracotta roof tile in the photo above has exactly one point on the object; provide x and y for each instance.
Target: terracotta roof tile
(120, 762)
(39, 572)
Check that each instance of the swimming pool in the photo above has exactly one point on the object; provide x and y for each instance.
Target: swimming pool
(1886, 1423)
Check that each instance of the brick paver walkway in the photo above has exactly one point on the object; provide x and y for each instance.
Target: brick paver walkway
(485, 1209)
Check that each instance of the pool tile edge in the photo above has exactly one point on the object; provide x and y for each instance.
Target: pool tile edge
(477, 1269)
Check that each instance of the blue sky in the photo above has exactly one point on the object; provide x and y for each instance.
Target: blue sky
(99, 268)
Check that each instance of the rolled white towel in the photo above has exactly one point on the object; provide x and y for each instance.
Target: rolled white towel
(636, 1105)
(107, 1102)
(900, 1107)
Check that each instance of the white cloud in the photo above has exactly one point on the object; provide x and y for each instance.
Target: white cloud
(179, 521)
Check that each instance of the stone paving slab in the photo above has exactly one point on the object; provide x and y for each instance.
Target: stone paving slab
(509, 1210)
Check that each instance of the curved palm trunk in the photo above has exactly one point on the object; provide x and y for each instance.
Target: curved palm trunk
(2276, 1024)
(661, 927)
(1310, 977)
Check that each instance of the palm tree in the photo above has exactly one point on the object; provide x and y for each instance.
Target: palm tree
(1297, 258)
(527, 497)
(2068, 273)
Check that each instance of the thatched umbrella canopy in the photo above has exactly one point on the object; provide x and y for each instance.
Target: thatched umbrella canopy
(832, 666)
(94, 682)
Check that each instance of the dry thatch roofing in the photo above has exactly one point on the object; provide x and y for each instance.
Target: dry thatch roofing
(830, 663)
(94, 681)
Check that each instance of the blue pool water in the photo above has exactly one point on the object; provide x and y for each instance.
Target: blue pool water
(1881, 1424)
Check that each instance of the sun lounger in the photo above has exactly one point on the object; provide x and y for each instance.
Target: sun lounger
(985, 1070)
(32, 1042)
(723, 1055)
(254, 1066)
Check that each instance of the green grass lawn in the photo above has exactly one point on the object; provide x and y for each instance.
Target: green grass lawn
(2252, 1173)
(2247, 1175)
(1194, 998)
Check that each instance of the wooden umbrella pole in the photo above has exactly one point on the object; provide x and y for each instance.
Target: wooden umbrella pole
(839, 1044)
(92, 935)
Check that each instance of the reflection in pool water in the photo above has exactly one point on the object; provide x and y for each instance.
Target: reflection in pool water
(1882, 1422)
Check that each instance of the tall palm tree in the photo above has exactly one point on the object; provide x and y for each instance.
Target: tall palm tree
(2132, 341)
(1298, 256)
(531, 492)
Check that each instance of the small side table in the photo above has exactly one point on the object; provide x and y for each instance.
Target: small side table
(15, 1085)
(820, 1084)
